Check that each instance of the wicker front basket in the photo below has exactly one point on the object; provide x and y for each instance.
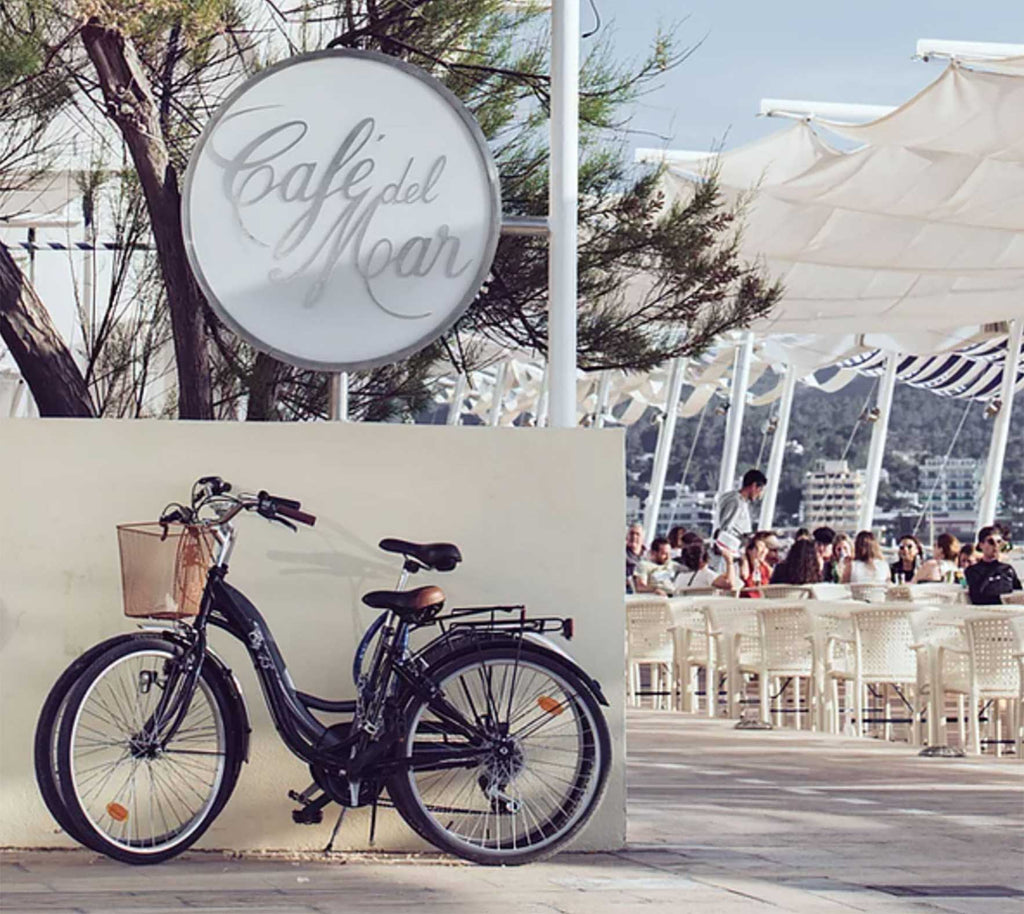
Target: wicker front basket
(163, 569)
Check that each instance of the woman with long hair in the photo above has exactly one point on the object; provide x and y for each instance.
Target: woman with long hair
(868, 565)
(695, 571)
(801, 565)
(902, 571)
(754, 570)
(943, 564)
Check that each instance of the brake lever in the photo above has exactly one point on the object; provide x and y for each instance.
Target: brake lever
(287, 523)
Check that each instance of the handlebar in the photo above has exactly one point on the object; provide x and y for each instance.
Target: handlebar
(213, 492)
(296, 515)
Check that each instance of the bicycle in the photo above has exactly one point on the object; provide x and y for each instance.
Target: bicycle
(489, 740)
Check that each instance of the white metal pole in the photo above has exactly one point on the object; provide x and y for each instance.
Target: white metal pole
(338, 399)
(663, 449)
(1001, 428)
(499, 393)
(458, 395)
(603, 389)
(778, 453)
(877, 449)
(562, 206)
(734, 418)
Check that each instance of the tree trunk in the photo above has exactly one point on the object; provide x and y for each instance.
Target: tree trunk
(131, 105)
(262, 383)
(45, 362)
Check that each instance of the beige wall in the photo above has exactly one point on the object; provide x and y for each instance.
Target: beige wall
(536, 513)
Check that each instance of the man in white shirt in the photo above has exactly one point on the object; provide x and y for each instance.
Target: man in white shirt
(733, 515)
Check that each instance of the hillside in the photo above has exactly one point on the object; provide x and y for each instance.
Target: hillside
(922, 425)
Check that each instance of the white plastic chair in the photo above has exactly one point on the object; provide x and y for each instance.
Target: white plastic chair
(649, 642)
(735, 645)
(935, 593)
(690, 651)
(829, 591)
(788, 591)
(869, 593)
(786, 651)
(884, 653)
(994, 674)
(1017, 624)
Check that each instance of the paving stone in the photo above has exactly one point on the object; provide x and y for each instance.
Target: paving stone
(720, 821)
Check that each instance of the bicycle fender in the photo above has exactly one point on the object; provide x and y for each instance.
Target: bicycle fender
(546, 644)
(225, 672)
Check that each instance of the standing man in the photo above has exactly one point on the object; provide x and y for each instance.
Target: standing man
(734, 507)
(989, 579)
(733, 514)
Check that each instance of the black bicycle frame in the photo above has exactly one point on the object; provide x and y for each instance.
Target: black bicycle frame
(227, 608)
(395, 677)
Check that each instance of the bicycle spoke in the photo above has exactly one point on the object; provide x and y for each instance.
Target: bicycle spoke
(537, 768)
(135, 794)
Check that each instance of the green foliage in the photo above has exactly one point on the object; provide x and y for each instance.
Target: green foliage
(656, 280)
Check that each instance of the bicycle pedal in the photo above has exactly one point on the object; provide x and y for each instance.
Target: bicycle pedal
(308, 815)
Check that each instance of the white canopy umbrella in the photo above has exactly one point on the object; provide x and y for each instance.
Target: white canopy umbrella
(910, 243)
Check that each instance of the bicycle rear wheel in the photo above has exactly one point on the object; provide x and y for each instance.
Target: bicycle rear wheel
(524, 777)
(130, 797)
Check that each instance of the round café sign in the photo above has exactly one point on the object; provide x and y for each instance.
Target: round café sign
(341, 210)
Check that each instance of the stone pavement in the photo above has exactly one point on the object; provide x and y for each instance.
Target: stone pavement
(720, 821)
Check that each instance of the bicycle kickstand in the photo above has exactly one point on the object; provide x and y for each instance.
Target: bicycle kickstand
(334, 832)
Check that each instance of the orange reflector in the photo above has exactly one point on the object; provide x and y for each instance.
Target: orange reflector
(547, 703)
(117, 812)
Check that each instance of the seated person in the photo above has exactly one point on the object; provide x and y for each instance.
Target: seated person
(824, 540)
(634, 553)
(943, 565)
(696, 573)
(754, 569)
(675, 540)
(656, 574)
(868, 565)
(902, 571)
(801, 565)
(969, 555)
(842, 555)
(989, 579)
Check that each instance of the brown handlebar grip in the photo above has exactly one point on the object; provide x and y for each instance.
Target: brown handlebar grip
(294, 514)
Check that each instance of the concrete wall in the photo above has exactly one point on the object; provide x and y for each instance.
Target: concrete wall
(536, 513)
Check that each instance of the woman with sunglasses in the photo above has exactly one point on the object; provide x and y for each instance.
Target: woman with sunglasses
(905, 567)
(989, 579)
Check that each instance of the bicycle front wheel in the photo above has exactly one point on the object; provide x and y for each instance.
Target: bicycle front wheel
(135, 799)
(510, 764)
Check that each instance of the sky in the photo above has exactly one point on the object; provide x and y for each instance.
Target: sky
(821, 51)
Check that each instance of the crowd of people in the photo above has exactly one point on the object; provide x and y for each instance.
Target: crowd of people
(742, 560)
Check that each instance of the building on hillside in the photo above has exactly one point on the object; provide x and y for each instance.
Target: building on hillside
(950, 486)
(833, 495)
(679, 508)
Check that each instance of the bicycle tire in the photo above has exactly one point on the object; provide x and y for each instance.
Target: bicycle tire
(47, 729)
(557, 780)
(105, 717)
